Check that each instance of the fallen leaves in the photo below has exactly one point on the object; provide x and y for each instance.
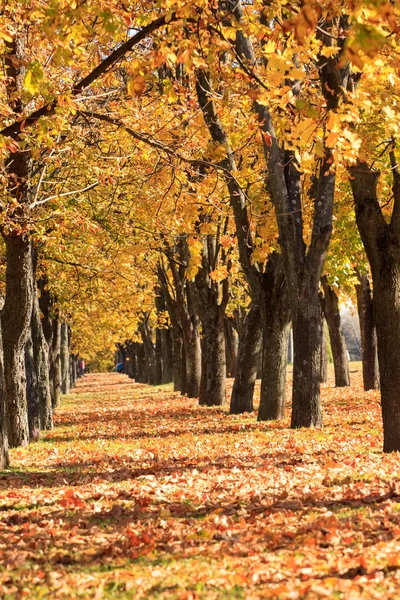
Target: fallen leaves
(139, 493)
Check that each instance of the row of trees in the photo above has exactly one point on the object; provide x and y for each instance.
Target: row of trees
(197, 169)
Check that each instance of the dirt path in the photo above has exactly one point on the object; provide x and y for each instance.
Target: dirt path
(138, 493)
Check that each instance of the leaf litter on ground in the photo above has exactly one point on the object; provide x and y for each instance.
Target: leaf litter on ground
(141, 493)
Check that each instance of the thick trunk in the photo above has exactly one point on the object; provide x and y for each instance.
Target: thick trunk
(179, 366)
(166, 349)
(231, 345)
(129, 359)
(64, 353)
(387, 319)
(192, 349)
(338, 344)
(382, 241)
(213, 376)
(15, 319)
(275, 316)
(149, 352)
(250, 339)
(40, 413)
(369, 345)
(307, 342)
(273, 381)
(142, 366)
(55, 364)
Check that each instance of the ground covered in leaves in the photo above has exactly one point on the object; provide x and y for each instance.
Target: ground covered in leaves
(139, 493)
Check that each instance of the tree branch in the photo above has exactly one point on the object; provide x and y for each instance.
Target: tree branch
(15, 128)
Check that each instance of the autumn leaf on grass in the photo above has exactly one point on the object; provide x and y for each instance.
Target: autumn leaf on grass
(72, 498)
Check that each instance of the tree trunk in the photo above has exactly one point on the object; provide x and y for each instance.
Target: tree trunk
(64, 353)
(142, 366)
(250, 340)
(127, 353)
(40, 413)
(338, 344)
(192, 347)
(15, 319)
(179, 363)
(4, 459)
(55, 364)
(213, 385)
(166, 348)
(149, 352)
(72, 371)
(369, 345)
(158, 358)
(275, 316)
(307, 342)
(32, 397)
(275, 360)
(324, 356)
(231, 345)
(382, 242)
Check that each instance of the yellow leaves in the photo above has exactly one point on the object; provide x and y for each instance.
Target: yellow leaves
(218, 153)
(269, 47)
(33, 78)
(278, 63)
(329, 51)
(5, 34)
(195, 247)
(219, 274)
(304, 23)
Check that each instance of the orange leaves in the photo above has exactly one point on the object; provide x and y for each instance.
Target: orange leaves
(304, 23)
(267, 138)
(146, 488)
(72, 498)
(136, 85)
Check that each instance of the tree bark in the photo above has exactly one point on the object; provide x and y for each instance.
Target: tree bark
(369, 344)
(40, 413)
(213, 386)
(142, 365)
(15, 319)
(192, 347)
(4, 458)
(158, 358)
(250, 342)
(338, 343)
(72, 370)
(179, 363)
(324, 357)
(149, 352)
(64, 355)
(55, 364)
(382, 245)
(166, 351)
(307, 342)
(275, 315)
(231, 345)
